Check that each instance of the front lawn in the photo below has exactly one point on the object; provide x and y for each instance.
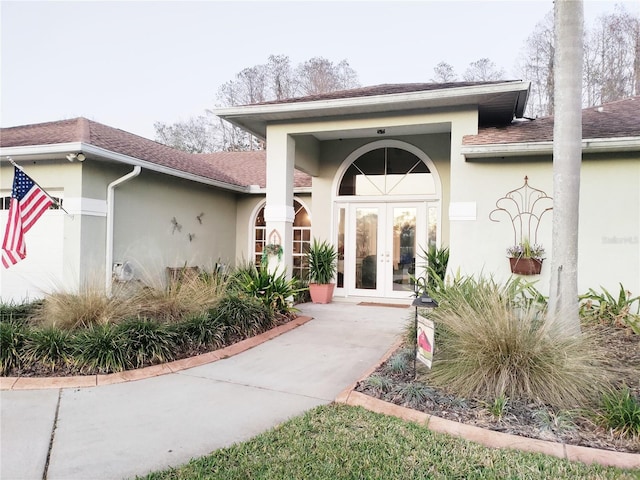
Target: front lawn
(336, 442)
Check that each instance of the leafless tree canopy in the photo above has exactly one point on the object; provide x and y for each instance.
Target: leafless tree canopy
(611, 61)
(274, 80)
(611, 71)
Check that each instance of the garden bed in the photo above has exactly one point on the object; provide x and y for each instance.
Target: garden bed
(394, 382)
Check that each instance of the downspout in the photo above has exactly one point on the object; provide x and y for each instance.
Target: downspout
(110, 206)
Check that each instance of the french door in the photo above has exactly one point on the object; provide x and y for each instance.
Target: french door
(381, 244)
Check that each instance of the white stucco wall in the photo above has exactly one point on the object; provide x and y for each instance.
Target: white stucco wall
(53, 244)
(609, 249)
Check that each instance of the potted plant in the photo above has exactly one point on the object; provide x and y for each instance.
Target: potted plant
(322, 258)
(526, 259)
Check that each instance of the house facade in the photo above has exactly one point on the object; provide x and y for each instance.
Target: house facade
(381, 172)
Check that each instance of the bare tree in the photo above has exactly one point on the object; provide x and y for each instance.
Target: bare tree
(196, 135)
(319, 75)
(611, 61)
(483, 70)
(444, 73)
(275, 80)
(536, 66)
(612, 56)
(567, 158)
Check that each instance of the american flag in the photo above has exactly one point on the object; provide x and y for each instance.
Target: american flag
(28, 203)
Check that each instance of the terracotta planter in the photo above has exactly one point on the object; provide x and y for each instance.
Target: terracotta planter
(525, 266)
(321, 292)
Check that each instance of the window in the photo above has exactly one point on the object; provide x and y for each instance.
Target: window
(56, 205)
(387, 171)
(301, 239)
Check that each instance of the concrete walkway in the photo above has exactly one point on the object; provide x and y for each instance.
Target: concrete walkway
(127, 429)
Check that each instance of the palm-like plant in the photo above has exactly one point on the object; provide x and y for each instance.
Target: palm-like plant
(322, 258)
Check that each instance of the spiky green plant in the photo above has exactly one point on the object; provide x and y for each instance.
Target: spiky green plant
(274, 290)
(146, 342)
(489, 347)
(498, 407)
(13, 334)
(620, 412)
(243, 315)
(201, 331)
(378, 383)
(323, 258)
(101, 348)
(605, 308)
(51, 346)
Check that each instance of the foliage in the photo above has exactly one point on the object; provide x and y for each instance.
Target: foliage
(12, 339)
(86, 307)
(620, 412)
(607, 309)
(243, 314)
(490, 344)
(322, 257)
(202, 331)
(101, 348)
(50, 346)
(436, 262)
(378, 383)
(499, 406)
(146, 342)
(18, 311)
(274, 290)
(556, 421)
(398, 364)
(338, 442)
(414, 393)
(189, 295)
(526, 250)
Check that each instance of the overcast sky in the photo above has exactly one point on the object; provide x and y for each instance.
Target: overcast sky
(128, 64)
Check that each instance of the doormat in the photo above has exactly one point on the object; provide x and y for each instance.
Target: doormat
(374, 304)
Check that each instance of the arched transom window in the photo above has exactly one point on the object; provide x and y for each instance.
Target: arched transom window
(387, 171)
(301, 239)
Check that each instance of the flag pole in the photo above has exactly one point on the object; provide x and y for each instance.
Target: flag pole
(55, 201)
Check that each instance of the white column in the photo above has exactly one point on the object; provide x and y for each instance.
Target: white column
(279, 213)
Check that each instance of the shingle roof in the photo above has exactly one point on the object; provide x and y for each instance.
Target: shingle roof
(385, 89)
(249, 168)
(237, 168)
(612, 120)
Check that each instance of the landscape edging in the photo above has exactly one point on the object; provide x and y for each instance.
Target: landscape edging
(486, 437)
(83, 381)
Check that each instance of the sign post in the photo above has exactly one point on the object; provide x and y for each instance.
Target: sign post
(425, 332)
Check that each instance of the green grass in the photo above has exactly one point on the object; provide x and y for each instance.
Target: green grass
(338, 442)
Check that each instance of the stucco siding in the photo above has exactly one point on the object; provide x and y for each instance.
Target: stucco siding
(609, 250)
(161, 222)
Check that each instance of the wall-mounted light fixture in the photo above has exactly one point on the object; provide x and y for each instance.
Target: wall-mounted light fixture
(76, 156)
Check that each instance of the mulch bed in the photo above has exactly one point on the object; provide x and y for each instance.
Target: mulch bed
(522, 418)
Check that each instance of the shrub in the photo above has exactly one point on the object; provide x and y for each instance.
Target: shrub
(274, 290)
(606, 309)
(378, 383)
(192, 295)
(50, 346)
(398, 364)
(243, 315)
(12, 338)
(18, 311)
(101, 348)
(489, 346)
(87, 307)
(620, 412)
(146, 342)
(201, 331)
